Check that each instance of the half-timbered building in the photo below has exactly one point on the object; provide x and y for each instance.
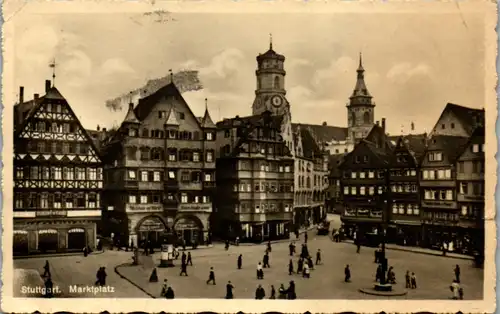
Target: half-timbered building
(57, 177)
(160, 172)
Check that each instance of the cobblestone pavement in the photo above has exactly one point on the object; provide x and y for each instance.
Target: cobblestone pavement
(434, 273)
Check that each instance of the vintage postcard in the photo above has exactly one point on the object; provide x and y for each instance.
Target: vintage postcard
(255, 156)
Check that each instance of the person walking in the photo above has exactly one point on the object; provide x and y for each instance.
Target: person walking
(457, 273)
(282, 292)
(379, 274)
(306, 273)
(265, 261)
(305, 237)
(211, 276)
(260, 272)
(164, 288)
(240, 261)
(46, 268)
(413, 281)
(358, 246)
(269, 246)
(85, 252)
(455, 287)
(229, 290)
(103, 276)
(183, 269)
(49, 288)
(318, 257)
(408, 280)
(290, 267)
(300, 265)
(273, 293)
(227, 245)
(291, 295)
(347, 274)
(189, 259)
(310, 262)
(260, 293)
(291, 248)
(183, 258)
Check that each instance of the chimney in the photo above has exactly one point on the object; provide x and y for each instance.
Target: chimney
(98, 127)
(36, 96)
(47, 85)
(383, 124)
(21, 94)
(377, 123)
(104, 130)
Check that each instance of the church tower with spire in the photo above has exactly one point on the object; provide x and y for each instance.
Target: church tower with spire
(360, 109)
(270, 92)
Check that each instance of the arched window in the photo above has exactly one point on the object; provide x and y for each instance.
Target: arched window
(366, 118)
(353, 119)
(277, 82)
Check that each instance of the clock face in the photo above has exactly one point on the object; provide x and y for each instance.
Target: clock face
(276, 101)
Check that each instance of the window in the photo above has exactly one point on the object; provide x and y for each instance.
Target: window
(92, 201)
(425, 174)
(161, 114)
(435, 156)
(185, 176)
(68, 200)
(409, 210)
(452, 125)
(171, 175)
(181, 116)
(371, 174)
(362, 190)
(371, 190)
(196, 156)
(144, 153)
(380, 190)
(440, 174)
(172, 155)
(210, 156)
(44, 200)
(132, 199)
(144, 199)
(401, 209)
(92, 174)
(287, 168)
(443, 126)
(131, 153)
(353, 190)
(475, 148)
(132, 132)
(449, 195)
(353, 175)
(464, 210)
(208, 177)
(131, 174)
(394, 208)
(184, 198)
(415, 210)
(144, 176)
(362, 175)
(447, 174)
(413, 173)
(346, 190)
(432, 174)
(156, 176)
(210, 136)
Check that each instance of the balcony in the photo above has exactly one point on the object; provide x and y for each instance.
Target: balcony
(438, 183)
(470, 198)
(190, 185)
(195, 207)
(470, 176)
(439, 204)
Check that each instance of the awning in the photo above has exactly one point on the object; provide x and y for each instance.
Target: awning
(76, 230)
(47, 231)
(20, 232)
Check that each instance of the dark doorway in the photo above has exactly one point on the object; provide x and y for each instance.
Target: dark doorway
(76, 239)
(48, 240)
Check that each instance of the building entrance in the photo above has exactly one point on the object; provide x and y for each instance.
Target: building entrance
(151, 230)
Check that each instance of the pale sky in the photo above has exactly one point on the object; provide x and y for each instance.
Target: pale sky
(414, 64)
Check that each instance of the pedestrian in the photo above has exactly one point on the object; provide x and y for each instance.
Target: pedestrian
(358, 246)
(48, 288)
(376, 256)
(273, 293)
(310, 262)
(229, 290)
(413, 280)
(444, 247)
(379, 274)
(260, 272)
(237, 241)
(457, 273)
(240, 261)
(391, 276)
(282, 292)
(227, 245)
(98, 277)
(211, 276)
(290, 267)
(85, 252)
(189, 259)
(183, 269)
(46, 272)
(103, 276)
(164, 288)
(265, 261)
(305, 237)
(269, 246)
(347, 274)
(408, 279)
(170, 293)
(260, 293)
(291, 248)
(306, 273)
(318, 257)
(183, 258)
(455, 287)
(183, 245)
(291, 295)
(300, 265)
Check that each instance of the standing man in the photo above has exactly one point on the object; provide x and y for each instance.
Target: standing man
(183, 258)
(318, 257)
(46, 272)
(229, 290)
(240, 261)
(347, 273)
(183, 269)
(189, 259)
(211, 276)
(457, 273)
(305, 237)
(290, 267)
(265, 260)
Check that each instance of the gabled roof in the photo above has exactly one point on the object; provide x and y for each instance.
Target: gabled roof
(131, 117)
(53, 93)
(478, 132)
(334, 162)
(470, 118)
(379, 153)
(249, 121)
(377, 132)
(146, 104)
(415, 143)
(451, 146)
(310, 148)
(323, 133)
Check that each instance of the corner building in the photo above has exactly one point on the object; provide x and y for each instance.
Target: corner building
(160, 172)
(57, 177)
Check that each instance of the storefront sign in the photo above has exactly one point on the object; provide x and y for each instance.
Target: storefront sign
(51, 213)
(198, 207)
(144, 207)
(152, 224)
(185, 223)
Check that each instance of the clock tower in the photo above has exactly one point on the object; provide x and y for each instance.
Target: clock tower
(270, 92)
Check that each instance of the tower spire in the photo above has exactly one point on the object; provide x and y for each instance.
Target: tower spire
(360, 67)
(171, 75)
(270, 41)
(206, 104)
(53, 66)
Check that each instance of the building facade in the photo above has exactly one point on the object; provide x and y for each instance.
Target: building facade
(470, 183)
(333, 201)
(57, 177)
(160, 172)
(255, 176)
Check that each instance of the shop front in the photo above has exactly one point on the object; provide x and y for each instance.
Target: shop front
(151, 230)
(189, 230)
(277, 230)
(20, 242)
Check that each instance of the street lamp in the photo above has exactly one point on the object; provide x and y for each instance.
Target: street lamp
(385, 222)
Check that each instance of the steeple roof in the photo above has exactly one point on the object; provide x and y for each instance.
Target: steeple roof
(131, 117)
(53, 93)
(206, 121)
(172, 118)
(360, 89)
(270, 54)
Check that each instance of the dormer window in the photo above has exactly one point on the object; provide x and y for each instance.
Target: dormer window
(475, 148)
(452, 125)
(435, 156)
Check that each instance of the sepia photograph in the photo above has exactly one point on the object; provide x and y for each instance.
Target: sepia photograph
(176, 152)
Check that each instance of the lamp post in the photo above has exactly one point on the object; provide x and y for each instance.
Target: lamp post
(385, 223)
